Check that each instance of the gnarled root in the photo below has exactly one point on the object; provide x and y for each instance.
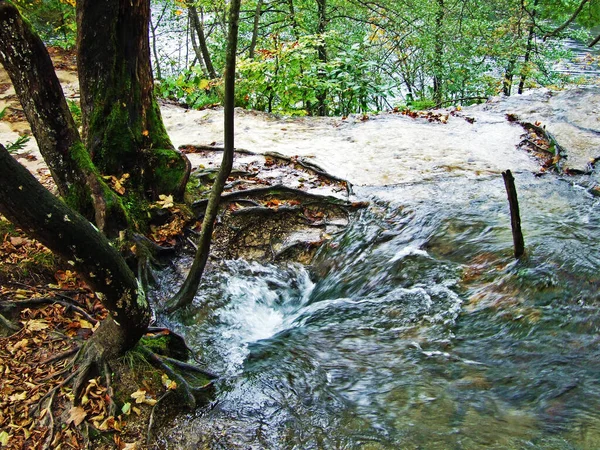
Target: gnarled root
(177, 371)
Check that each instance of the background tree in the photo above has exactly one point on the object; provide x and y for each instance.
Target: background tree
(384, 54)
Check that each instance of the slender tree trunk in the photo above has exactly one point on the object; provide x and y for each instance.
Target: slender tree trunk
(199, 28)
(197, 50)
(529, 48)
(322, 54)
(186, 294)
(509, 74)
(254, 40)
(438, 67)
(25, 58)
(30, 206)
(155, 51)
(122, 124)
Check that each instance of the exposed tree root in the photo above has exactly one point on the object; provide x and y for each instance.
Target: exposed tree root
(212, 148)
(60, 356)
(64, 301)
(52, 392)
(311, 166)
(8, 325)
(187, 391)
(48, 421)
(279, 190)
(301, 161)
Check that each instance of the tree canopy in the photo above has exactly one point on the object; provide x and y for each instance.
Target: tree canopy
(340, 57)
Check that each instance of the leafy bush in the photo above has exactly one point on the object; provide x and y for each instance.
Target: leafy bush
(190, 88)
(288, 78)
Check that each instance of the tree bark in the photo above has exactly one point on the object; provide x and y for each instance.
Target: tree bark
(122, 124)
(197, 50)
(188, 290)
(25, 58)
(197, 24)
(509, 74)
(254, 40)
(322, 54)
(529, 49)
(438, 53)
(30, 206)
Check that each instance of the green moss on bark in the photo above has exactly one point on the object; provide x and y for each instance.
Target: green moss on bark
(169, 171)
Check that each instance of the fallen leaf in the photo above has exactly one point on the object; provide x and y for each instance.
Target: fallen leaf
(139, 396)
(85, 324)
(76, 415)
(16, 241)
(4, 437)
(167, 383)
(36, 325)
(165, 202)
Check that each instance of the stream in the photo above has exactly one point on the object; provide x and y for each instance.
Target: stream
(414, 328)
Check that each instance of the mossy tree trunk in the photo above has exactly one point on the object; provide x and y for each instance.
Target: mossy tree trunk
(26, 60)
(122, 124)
(27, 204)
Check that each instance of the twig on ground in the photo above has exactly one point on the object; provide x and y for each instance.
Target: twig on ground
(151, 421)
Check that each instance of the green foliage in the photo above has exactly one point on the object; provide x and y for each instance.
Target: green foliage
(75, 111)
(287, 78)
(361, 57)
(190, 88)
(19, 144)
(54, 20)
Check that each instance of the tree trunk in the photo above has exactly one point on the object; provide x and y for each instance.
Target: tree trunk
(122, 124)
(199, 29)
(254, 40)
(322, 53)
(188, 290)
(293, 19)
(25, 58)
(438, 67)
(529, 49)
(30, 206)
(509, 74)
(197, 50)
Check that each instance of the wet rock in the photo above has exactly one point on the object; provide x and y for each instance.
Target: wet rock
(571, 116)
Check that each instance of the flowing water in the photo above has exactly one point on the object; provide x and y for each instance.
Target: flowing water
(414, 328)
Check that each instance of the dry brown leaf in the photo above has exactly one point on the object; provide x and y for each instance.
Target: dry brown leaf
(76, 415)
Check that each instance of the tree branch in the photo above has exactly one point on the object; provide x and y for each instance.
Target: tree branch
(568, 22)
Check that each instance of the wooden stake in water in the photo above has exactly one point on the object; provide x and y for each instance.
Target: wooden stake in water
(515, 218)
